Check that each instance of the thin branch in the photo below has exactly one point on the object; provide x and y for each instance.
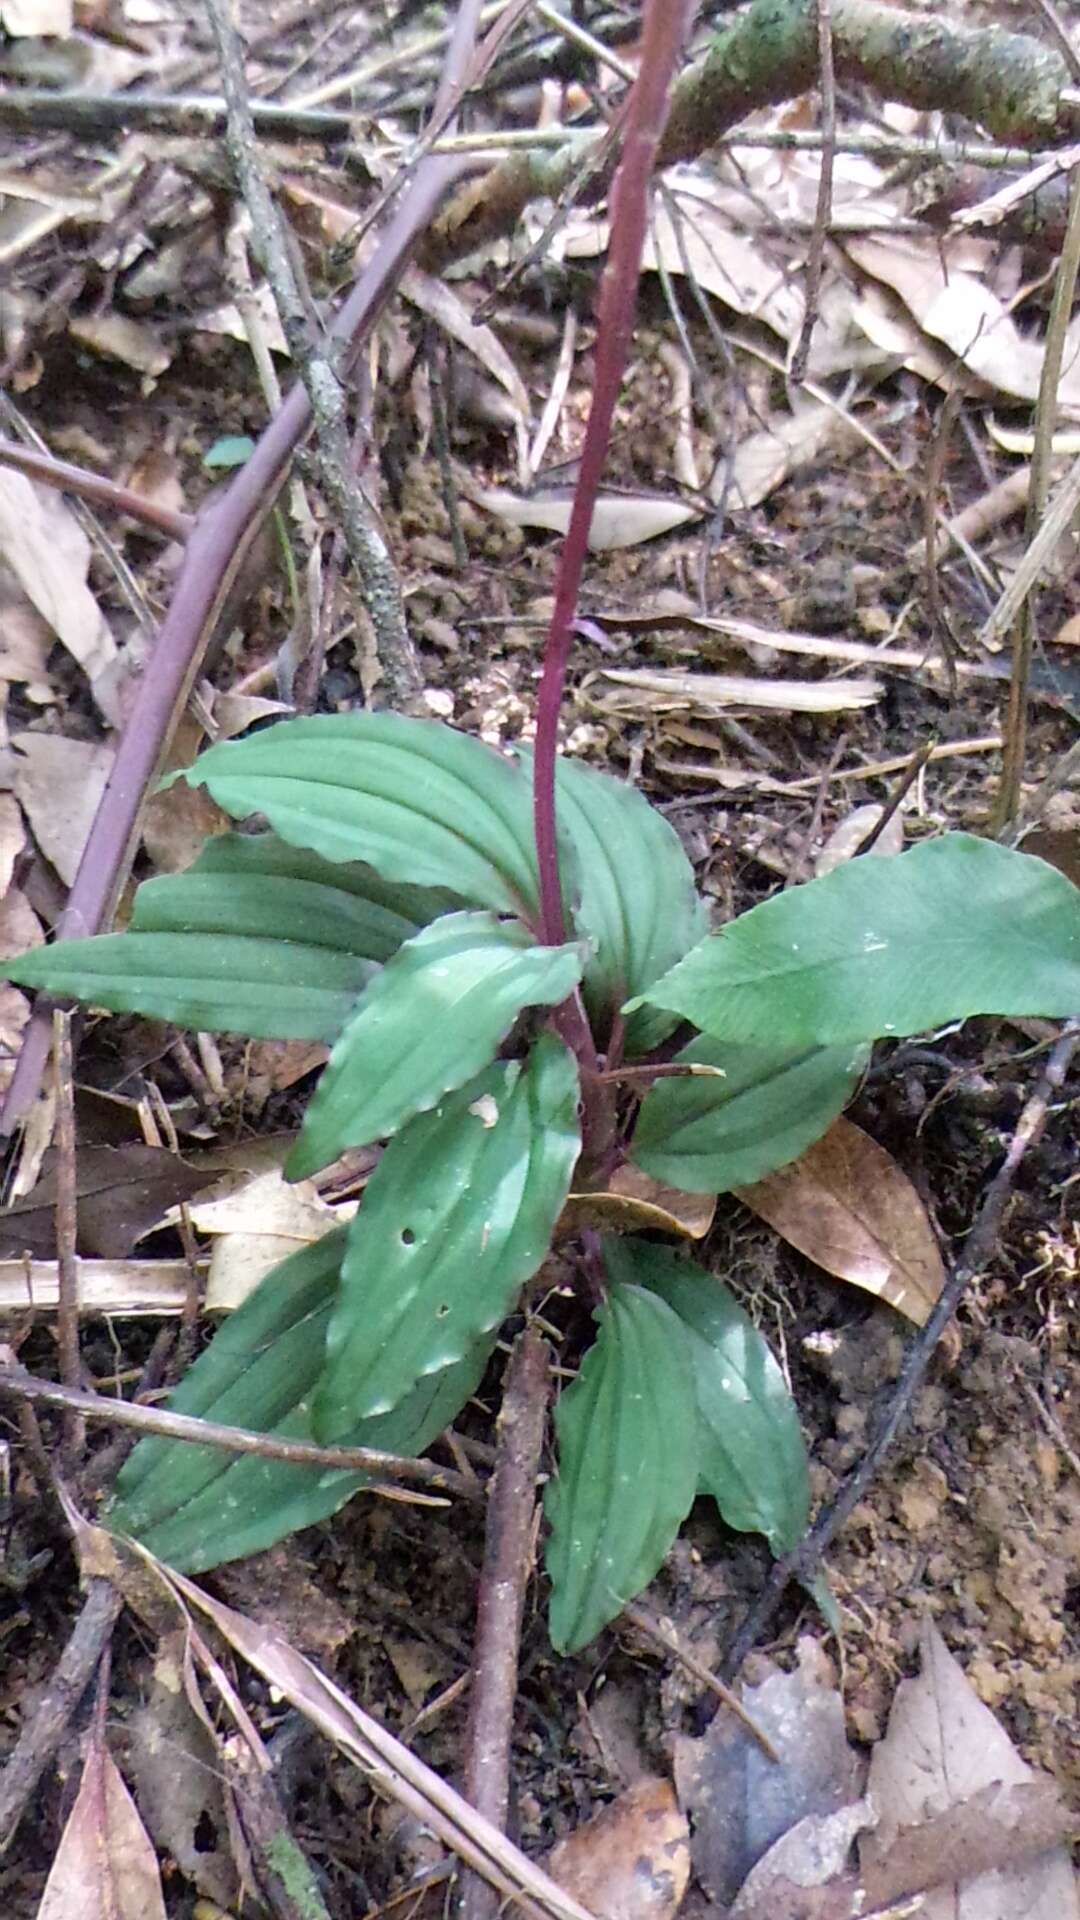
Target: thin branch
(365, 543)
(211, 1433)
(1009, 83)
(66, 1217)
(43, 1732)
(815, 259)
(96, 488)
(1046, 411)
(509, 1541)
(978, 1250)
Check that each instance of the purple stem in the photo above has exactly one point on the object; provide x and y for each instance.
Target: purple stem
(665, 25)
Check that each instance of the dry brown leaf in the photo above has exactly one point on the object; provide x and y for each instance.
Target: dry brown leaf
(741, 1802)
(20, 929)
(635, 1203)
(942, 1748)
(122, 1194)
(49, 554)
(176, 1772)
(388, 1764)
(105, 1864)
(956, 308)
(631, 1861)
(706, 692)
(115, 336)
(619, 519)
(848, 835)
(254, 1225)
(764, 460)
(25, 642)
(131, 1287)
(60, 783)
(847, 1205)
(12, 840)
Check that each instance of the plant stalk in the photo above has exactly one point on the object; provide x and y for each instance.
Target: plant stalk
(666, 22)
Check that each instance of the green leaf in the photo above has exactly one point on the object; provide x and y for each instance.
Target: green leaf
(197, 1506)
(708, 1135)
(637, 901)
(431, 1019)
(413, 798)
(218, 983)
(628, 1465)
(232, 450)
(752, 1457)
(958, 926)
(457, 1216)
(256, 884)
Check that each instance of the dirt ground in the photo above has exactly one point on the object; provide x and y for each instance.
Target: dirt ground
(976, 1517)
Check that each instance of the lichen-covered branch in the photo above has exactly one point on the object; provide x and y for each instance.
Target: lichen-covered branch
(1009, 83)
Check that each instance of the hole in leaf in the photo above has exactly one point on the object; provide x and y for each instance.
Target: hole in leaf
(441, 1312)
(408, 1237)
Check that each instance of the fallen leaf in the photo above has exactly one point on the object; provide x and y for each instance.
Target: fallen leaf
(254, 1225)
(811, 1855)
(385, 1762)
(942, 1748)
(115, 336)
(710, 692)
(105, 1864)
(848, 835)
(20, 929)
(49, 554)
(619, 519)
(635, 1203)
(60, 783)
(123, 1193)
(985, 1836)
(739, 1801)
(176, 1773)
(12, 839)
(130, 1287)
(631, 1861)
(764, 460)
(847, 1205)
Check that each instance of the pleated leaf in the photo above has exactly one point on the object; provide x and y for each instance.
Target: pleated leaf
(707, 1135)
(628, 1465)
(258, 885)
(415, 800)
(958, 926)
(457, 1216)
(270, 989)
(197, 1506)
(432, 1018)
(752, 1457)
(633, 895)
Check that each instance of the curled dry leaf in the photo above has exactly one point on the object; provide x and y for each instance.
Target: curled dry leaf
(632, 1860)
(847, 837)
(633, 1202)
(254, 1225)
(49, 554)
(105, 1864)
(847, 1205)
(122, 1194)
(60, 783)
(20, 929)
(942, 1748)
(712, 692)
(739, 1800)
(619, 519)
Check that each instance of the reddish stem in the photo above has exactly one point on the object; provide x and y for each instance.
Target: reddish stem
(665, 25)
